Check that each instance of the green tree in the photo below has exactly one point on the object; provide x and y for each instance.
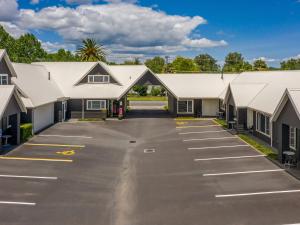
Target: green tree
(206, 63)
(234, 62)
(91, 51)
(156, 64)
(29, 49)
(291, 64)
(183, 65)
(62, 55)
(140, 89)
(260, 65)
(136, 61)
(247, 66)
(7, 42)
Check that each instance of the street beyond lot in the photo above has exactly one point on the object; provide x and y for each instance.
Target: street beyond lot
(143, 171)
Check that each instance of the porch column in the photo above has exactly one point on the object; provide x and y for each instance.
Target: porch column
(82, 108)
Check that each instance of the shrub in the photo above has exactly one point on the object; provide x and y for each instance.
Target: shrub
(141, 90)
(155, 91)
(25, 131)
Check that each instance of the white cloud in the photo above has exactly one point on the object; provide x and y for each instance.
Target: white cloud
(12, 29)
(121, 26)
(292, 57)
(79, 1)
(34, 2)
(54, 46)
(266, 59)
(8, 10)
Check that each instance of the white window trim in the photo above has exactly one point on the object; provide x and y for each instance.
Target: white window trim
(295, 138)
(98, 75)
(185, 100)
(257, 124)
(3, 75)
(91, 109)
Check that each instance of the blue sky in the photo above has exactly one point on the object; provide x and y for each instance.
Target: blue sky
(129, 28)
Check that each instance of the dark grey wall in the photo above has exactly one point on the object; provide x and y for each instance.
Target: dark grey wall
(26, 117)
(98, 70)
(258, 134)
(12, 107)
(148, 79)
(74, 110)
(289, 117)
(5, 70)
(57, 112)
(198, 107)
(242, 117)
(172, 104)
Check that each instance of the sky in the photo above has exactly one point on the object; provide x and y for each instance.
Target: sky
(266, 29)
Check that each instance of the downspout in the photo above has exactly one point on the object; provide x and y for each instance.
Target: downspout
(82, 108)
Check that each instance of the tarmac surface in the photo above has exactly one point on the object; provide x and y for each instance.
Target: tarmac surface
(146, 170)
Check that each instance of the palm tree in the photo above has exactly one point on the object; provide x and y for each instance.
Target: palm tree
(91, 51)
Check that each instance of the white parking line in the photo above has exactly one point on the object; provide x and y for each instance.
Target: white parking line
(243, 172)
(63, 136)
(18, 203)
(257, 193)
(28, 177)
(208, 139)
(202, 132)
(216, 147)
(234, 157)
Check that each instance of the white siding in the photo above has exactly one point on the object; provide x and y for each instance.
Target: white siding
(210, 107)
(249, 118)
(43, 116)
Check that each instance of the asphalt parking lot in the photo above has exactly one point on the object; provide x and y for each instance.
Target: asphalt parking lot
(143, 171)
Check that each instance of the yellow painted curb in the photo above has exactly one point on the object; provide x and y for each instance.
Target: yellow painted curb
(183, 127)
(35, 159)
(55, 145)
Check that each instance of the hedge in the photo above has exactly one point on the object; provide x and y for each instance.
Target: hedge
(25, 131)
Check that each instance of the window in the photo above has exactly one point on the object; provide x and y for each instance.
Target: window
(263, 123)
(96, 104)
(3, 79)
(293, 138)
(185, 106)
(98, 78)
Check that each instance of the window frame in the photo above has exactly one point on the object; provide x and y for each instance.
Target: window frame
(91, 79)
(1, 79)
(95, 109)
(294, 146)
(266, 131)
(187, 106)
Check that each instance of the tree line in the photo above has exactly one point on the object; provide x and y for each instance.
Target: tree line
(27, 48)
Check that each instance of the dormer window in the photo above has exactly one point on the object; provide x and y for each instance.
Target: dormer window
(98, 79)
(3, 79)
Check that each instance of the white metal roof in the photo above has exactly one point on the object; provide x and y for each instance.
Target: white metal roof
(33, 81)
(6, 91)
(243, 94)
(295, 99)
(275, 84)
(67, 75)
(197, 85)
(3, 55)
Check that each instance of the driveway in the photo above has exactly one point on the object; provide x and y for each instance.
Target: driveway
(143, 171)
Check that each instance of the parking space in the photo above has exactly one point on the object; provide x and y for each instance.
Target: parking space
(108, 173)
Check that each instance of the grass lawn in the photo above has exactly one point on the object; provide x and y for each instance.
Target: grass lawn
(251, 141)
(221, 122)
(260, 147)
(147, 98)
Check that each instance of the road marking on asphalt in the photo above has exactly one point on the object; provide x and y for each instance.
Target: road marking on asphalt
(207, 139)
(257, 193)
(67, 153)
(193, 119)
(202, 132)
(27, 177)
(35, 159)
(185, 127)
(233, 157)
(242, 172)
(18, 203)
(216, 147)
(54, 145)
(63, 136)
(181, 123)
